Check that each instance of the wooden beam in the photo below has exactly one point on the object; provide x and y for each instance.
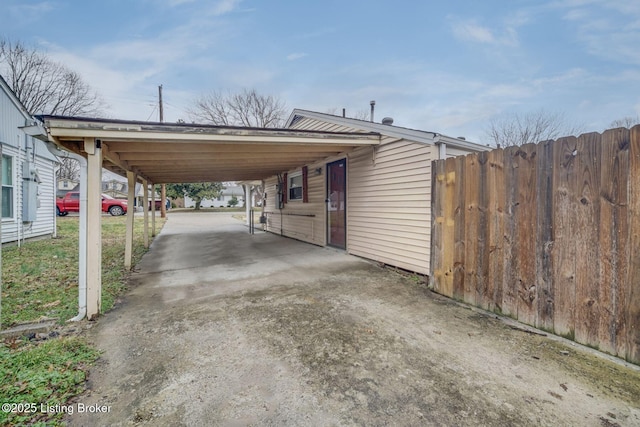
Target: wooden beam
(152, 147)
(239, 137)
(133, 158)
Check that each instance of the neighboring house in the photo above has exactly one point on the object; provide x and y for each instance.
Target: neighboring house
(226, 194)
(28, 174)
(65, 185)
(116, 188)
(374, 202)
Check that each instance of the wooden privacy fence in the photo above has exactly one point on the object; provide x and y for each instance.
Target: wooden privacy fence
(546, 233)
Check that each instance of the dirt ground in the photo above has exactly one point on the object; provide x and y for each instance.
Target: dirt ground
(227, 329)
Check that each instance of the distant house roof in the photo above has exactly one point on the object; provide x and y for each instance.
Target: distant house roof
(426, 137)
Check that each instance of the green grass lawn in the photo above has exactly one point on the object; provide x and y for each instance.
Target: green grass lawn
(40, 280)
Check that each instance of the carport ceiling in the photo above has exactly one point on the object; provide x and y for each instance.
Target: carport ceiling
(173, 153)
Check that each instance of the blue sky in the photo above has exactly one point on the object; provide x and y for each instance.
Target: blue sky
(448, 67)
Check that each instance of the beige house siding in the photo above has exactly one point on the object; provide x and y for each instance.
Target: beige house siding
(388, 194)
(388, 204)
(302, 221)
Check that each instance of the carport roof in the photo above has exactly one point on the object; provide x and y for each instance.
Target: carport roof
(181, 152)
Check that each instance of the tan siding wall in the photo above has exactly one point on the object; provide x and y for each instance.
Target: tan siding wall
(302, 221)
(388, 204)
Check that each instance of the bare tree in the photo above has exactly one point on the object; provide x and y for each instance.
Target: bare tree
(45, 86)
(247, 108)
(69, 169)
(625, 122)
(529, 128)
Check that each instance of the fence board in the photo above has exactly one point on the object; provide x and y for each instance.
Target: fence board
(563, 255)
(510, 271)
(437, 222)
(459, 237)
(525, 237)
(614, 164)
(483, 298)
(448, 228)
(587, 216)
(545, 237)
(471, 225)
(633, 280)
(496, 214)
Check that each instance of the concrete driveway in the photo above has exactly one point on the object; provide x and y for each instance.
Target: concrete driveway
(223, 328)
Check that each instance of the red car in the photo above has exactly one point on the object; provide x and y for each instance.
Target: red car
(71, 203)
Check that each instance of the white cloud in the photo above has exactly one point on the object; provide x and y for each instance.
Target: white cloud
(295, 56)
(225, 6)
(609, 29)
(30, 13)
(471, 31)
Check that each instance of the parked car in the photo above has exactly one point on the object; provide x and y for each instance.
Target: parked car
(71, 203)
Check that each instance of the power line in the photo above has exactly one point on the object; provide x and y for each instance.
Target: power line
(153, 111)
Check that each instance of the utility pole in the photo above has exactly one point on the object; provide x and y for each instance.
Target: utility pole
(163, 188)
(160, 106)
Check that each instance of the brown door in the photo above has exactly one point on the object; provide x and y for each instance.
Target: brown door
(337, 203)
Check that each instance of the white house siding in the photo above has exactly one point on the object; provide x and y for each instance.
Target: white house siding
(10, 225)
(13, 228)
(388, 204)
(45, 222)
(302, 221)
(13, 141)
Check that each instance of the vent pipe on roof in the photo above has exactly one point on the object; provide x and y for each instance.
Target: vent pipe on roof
(387, 121)
(373, 104)
(344, 112)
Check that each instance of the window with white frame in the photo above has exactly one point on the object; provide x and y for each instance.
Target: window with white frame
(7, 186)
(295, 186)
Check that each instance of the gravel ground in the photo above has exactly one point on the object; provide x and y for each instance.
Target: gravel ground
(223, 328)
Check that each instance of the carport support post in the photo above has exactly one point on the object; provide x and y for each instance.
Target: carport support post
(128, 242)
(247, 201)
(163, 198)
(93, 149)
(153, 210)
(145, 209)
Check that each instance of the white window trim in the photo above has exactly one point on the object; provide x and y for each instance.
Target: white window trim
(289, 178)
(13, 188)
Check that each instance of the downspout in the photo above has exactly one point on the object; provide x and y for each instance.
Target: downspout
(82, 257)
(441, 145)
(56, 169)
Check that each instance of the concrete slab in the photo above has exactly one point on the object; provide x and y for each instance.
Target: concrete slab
(224, 328)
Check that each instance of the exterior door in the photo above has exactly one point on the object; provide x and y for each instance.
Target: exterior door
(337, 204)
